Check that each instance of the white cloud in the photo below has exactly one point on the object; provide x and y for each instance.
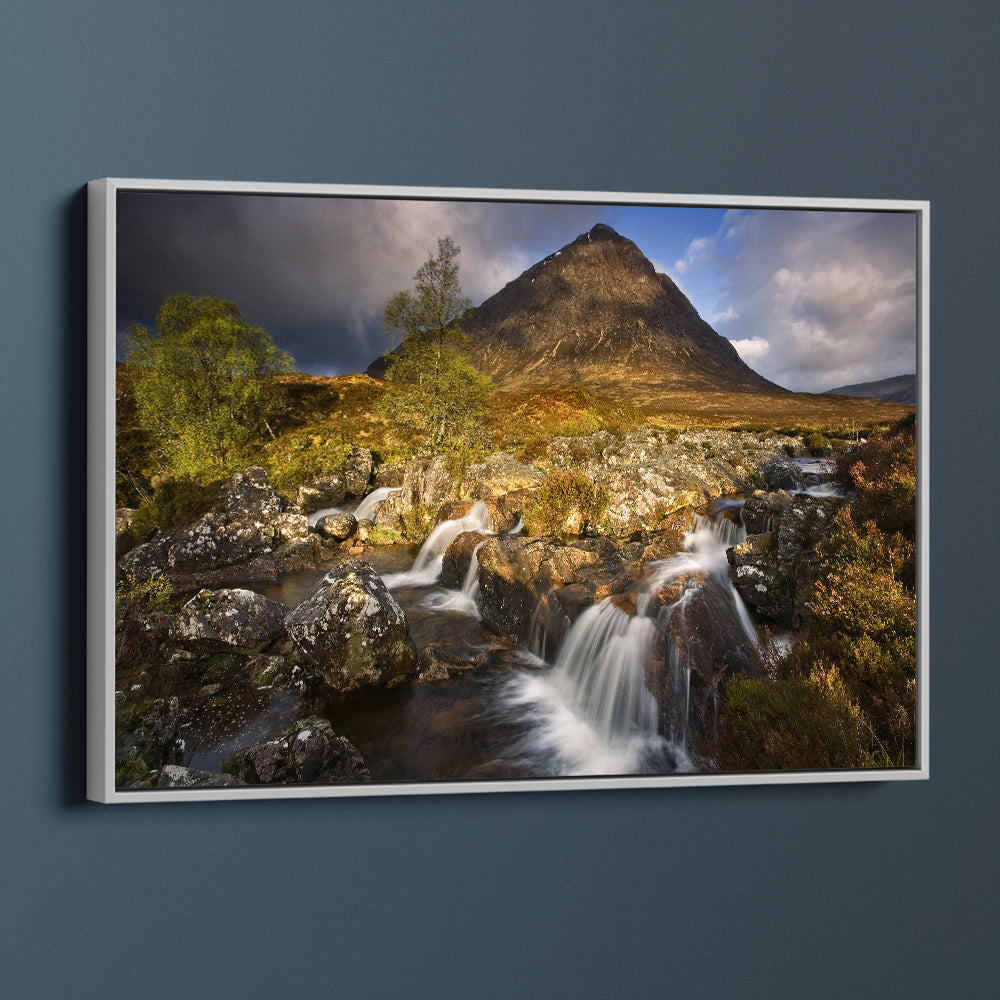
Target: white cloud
(813, 300)
(752, 349)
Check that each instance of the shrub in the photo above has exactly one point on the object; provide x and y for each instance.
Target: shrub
(565, 493)
(792, 723)
(175, 501)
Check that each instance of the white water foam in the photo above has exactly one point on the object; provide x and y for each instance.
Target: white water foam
(427, 566)
(591, 712)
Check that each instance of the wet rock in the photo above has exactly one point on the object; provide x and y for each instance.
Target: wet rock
(351, 630)
(309, 752)
(516, 573)
(701, 643)
(436, 664)
(337, 526)
(229, 620)
(175, 776)
(780, 473)
(458, 558)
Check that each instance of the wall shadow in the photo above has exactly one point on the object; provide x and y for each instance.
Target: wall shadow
(72, 400)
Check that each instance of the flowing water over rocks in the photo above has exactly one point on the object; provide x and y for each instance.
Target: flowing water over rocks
(485, 653)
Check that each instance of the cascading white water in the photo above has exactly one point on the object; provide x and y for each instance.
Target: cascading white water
(427, 566)
(592, 712)
(367, 508)
(464, 600)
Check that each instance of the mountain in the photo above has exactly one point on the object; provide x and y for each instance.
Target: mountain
(597, 315)
(900, 389)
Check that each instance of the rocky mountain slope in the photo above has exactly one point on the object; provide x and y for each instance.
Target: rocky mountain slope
(597, 314)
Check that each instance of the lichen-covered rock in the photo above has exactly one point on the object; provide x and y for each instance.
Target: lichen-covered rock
(309, 752)
(775, 568)
(324, 491)
(357, 471)
(175, 776)
(351, 630)
(250, 496)
(230, 620)
(337, 526)
(500, 473)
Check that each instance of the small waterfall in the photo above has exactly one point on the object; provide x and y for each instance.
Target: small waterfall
(592, 711)
(427, 566)
(367, 508)
(464, 600)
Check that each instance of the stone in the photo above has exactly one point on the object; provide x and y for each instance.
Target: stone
(357, 471)
(337, 526)
(229, 620)
(351, 630)
(309, 752)
(325, 491)
(176, 776)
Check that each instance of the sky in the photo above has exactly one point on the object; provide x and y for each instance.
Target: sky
(811, 300)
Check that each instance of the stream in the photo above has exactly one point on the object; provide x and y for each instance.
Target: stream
(585, 711)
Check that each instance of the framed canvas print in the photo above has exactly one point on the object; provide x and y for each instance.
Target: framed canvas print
(408, 490)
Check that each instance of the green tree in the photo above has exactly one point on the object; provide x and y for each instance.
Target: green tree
(201, 382)
(445, 395)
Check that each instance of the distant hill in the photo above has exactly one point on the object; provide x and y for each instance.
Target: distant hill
(598, 316)
(899, 389)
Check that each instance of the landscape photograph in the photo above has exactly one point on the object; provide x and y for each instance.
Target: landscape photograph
(445, 489)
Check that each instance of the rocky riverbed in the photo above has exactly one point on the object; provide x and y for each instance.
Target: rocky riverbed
(221, 644)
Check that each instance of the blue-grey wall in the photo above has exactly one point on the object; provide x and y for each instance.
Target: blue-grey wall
(886, 890)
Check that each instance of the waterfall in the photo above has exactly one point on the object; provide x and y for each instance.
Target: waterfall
(464, 600)
(592, 711)
(427, 566)
(367, 508)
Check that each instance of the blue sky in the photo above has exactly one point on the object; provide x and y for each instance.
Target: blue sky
(812, 300)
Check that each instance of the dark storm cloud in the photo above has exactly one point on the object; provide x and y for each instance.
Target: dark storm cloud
(317, 272)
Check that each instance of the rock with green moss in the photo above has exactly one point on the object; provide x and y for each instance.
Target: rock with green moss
(308, 752)
(351, 630)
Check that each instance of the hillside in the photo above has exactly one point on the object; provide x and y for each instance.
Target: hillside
(900, 389)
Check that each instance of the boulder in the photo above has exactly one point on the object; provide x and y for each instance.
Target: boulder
(325, 491)
(238, 621)
(500, 473)
(357, 471)
(779, 472)
(701, 643)
(175, 776)
(309, 752)
(351, 630)
(515, 573)
(337, 526)
(458, 558)
(250, 496)
(257, 535)
(775, 569)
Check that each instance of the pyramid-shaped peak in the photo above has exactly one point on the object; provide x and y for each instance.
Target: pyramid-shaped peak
(601, 232)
